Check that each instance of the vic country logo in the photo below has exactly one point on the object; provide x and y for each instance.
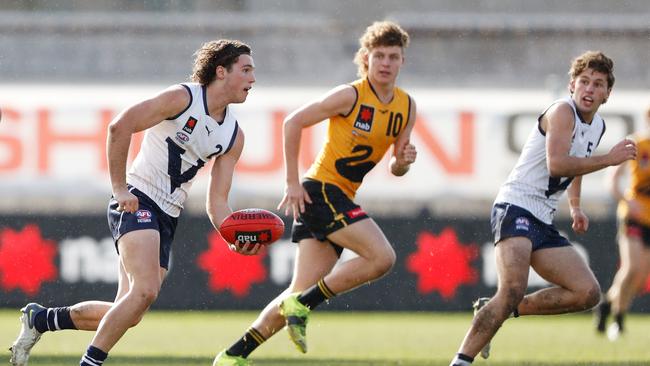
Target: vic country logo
(364, 118)
(189, 125)
(254, 237)
(181, 137)
(143, 216)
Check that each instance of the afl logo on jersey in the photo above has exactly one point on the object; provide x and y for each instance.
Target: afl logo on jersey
(181, 137)
(364, 118)
(189, 125)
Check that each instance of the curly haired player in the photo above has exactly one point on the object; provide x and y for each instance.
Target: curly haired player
(192, 120)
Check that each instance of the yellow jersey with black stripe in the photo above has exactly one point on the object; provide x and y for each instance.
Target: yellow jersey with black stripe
(356, 142)
(639, 186)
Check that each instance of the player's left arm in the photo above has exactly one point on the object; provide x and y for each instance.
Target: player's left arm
(404, 153)
(219, 185)
(580, 220)
(220, 182)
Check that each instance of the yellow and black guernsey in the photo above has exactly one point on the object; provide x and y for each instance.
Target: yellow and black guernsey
(356, 142)
(639, 188)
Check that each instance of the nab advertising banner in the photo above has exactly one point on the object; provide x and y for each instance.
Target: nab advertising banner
(442, 264)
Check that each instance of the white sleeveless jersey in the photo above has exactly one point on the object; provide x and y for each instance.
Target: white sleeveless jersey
(529, 185)
(174, 150)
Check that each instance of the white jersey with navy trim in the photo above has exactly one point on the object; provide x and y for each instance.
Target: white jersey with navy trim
(529, 184)
(174, 150)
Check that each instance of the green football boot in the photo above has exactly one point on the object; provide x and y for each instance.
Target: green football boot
(296, 315)
(224, 359)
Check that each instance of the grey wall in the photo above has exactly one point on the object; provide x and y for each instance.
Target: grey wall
(296, 42)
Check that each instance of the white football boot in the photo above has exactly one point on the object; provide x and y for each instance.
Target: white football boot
(613, 332)
(28, 335)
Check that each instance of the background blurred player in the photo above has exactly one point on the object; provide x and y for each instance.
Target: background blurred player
(556, 155)
(365, 118)
(187, 125)
(633, 235)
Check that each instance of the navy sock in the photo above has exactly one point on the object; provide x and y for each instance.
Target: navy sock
(515, 313)
(246, 344)
(315, 295)
(40, 321)
(619, 317)
(53, 319)
(461, 360)
(93, 357)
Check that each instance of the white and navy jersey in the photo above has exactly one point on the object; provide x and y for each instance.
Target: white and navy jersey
(529, 185)
(174, 150)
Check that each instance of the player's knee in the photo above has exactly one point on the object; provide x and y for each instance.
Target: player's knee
(511, 296)
(147, 295)
(385, 262)
(591, 296)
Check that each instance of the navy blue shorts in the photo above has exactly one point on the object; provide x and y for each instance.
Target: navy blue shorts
(148, 216)
(509, 221)
(330, 210)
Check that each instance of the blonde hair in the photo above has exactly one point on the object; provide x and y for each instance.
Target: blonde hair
(384, 33)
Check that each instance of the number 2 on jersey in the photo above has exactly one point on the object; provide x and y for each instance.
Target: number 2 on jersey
(355, 168)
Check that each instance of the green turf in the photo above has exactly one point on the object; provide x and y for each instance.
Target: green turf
(405, 339)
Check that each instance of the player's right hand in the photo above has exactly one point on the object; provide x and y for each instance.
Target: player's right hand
(580, 221)
(126, 201)
(294, 199)
(623, 151)
(246, 248)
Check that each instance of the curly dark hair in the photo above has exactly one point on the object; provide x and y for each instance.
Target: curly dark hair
(595, 60)
(223, 52)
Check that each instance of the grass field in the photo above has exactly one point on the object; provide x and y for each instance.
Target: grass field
(407, 339)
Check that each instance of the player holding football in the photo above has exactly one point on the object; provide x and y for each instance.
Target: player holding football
(365, 118)
(633, 236)
(556, 155)
(186, 126)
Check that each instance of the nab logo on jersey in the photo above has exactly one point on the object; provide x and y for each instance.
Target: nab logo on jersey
(364, 118)
(189, 125)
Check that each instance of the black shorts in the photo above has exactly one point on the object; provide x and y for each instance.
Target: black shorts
(329, 211)
(509, 221)
(148, 216)
(636, 229)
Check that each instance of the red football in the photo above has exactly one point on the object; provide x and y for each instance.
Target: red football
(252, 224)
